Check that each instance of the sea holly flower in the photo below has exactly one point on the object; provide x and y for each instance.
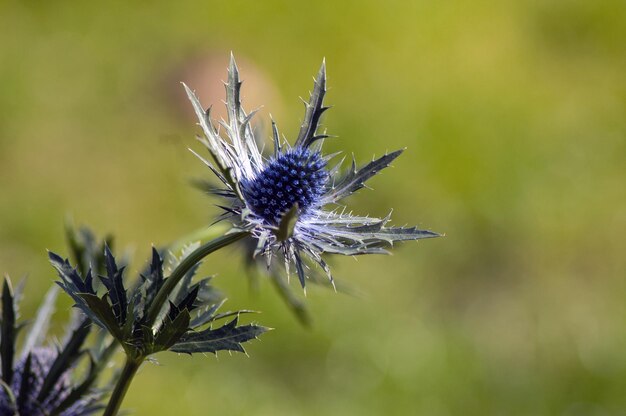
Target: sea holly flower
(42, 379)
(282, 199)
(162, 310)
(280, 202)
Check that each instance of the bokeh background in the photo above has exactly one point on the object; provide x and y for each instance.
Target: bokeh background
(514, 116)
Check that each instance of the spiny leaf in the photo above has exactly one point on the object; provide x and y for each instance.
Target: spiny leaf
(276, 137)
(153, 281)
(228, 314)
(80, 303)
(369, 234)
(299, 267)
(212, 141)
(26, 383)
(205, 316)
(71, 279)
(314, 110)
(236, 116)
(101, 313)
(228, 337)
(8, 331)
(233, 88)
(187, 303)
(171, 331)
(355, 179)
(66, 358)
(115, 286)
(184, 287)
(209, 187)
(207, 293)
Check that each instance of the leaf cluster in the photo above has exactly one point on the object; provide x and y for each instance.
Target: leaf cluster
(185, 324)
(41, 389)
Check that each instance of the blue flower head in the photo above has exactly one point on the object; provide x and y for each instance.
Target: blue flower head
(42, 380)
(28, 382)
(283, 198)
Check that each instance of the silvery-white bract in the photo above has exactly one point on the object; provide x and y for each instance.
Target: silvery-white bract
(281, 198)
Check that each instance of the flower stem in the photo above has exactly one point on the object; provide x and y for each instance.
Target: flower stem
(201, 234)
(121, 387)
(184, 266)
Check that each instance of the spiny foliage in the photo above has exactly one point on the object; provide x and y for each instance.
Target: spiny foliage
(124, 312)
(39, 380)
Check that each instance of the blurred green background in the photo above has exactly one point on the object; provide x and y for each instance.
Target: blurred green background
(514, 116)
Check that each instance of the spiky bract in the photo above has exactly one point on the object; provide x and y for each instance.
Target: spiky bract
(292, 221)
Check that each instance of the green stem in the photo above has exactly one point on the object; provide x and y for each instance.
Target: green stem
(132, 363)
(201, 234)
(184, 266)
(121, 387)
